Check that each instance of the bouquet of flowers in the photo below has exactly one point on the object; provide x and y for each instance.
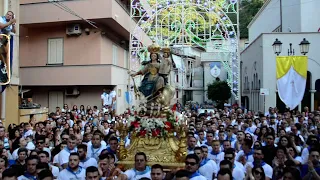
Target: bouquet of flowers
(145, 126)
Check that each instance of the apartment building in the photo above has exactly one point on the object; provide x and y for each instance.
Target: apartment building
(9, 110)
(71, 50)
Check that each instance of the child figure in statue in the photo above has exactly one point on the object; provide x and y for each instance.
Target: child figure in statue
(152, 82)
(165, 65)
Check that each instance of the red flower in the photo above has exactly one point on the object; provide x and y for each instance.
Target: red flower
(168, 125)
(135, 124)
(155, 132)
(143, 133)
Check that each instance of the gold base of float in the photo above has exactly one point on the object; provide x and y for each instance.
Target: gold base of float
(169, 151)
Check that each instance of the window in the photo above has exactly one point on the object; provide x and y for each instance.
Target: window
(177, 94)
(55, 51)
(125, 56)
(114, 54)
(177, 78)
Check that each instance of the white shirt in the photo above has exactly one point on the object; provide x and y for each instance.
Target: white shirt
(268, 171)
(88, 162)
(132, 175)
(111, 96)
(248, 157)
(15, 154)
(105, 98)
(217, 158)
(64, 155)
(56, 159)
(238, 173)
(30, 146)
(65, 174)
(208, 169)
(198, 178)
(55, 170)
(22, 177)
(94, 152)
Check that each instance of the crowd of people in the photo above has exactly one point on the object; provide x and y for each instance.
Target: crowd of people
(227, 144)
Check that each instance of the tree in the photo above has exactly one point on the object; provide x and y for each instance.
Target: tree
(219, 91)
(248, 9)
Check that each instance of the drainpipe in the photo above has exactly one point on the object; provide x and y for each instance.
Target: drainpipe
(3, 105)
(280, 15)
(5, 6)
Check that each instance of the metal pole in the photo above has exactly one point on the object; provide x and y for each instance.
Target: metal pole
(238, 54)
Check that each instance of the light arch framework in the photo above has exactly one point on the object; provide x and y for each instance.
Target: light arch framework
(209, 24)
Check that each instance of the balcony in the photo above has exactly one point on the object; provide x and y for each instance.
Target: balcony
(109, 15)
(69, 75)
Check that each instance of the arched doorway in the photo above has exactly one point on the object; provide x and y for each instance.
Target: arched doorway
(317, 94)
(306, 101)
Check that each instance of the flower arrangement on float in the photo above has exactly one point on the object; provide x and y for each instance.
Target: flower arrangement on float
(154, 126)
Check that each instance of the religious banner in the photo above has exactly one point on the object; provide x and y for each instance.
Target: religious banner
(128, 96)
(291, 79)
(215, 69)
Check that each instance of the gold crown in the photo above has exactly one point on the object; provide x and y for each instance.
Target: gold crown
(154, 48)
(166, 49)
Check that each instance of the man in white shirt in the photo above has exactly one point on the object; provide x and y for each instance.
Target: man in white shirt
(73, 171)
(246, 154)
(112, 100)
(238, 169)
(44, 157)
(95, 148)
(85, 161)
(40, 143)
(31, 172)
(157, 172)
(104, 98)
(22, 144)
(258, 161)
(192, 142)
(192, 165)
(65, 153)
(208, 168)
(216, 155)
(140, 170)
(7, 23)
(92, 173)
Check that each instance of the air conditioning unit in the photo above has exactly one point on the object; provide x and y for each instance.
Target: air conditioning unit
(72, 91)
(73, 29)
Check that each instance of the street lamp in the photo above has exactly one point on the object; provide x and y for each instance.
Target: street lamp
(277, 47)
(304, 46)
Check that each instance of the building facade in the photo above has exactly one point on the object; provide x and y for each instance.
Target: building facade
(71, 50)
(187, 75)
(9, 98)
(289, 21)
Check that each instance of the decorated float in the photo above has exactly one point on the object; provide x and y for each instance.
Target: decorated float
(154, 129)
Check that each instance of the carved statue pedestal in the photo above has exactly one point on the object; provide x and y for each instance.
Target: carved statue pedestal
(169, 152)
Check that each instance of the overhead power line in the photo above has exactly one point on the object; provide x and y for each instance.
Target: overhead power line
(65, 8)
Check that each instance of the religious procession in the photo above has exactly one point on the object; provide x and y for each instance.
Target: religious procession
(159, 90)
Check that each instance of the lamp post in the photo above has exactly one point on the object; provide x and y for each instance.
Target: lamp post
(277, 47)
(304, 47)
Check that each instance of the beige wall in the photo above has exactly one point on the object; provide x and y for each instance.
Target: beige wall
(84, 49)
(48, 12)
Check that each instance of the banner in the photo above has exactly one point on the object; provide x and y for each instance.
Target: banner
(128, 97)
(291, 79)
(215, 69)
